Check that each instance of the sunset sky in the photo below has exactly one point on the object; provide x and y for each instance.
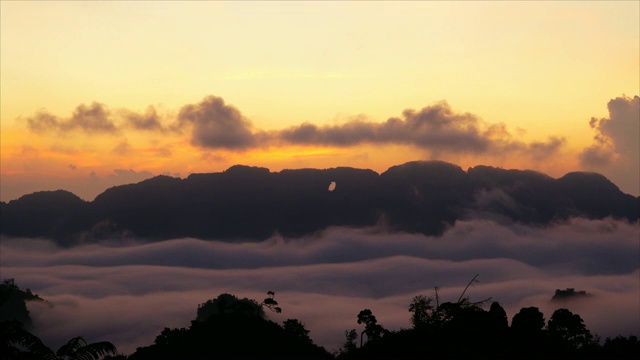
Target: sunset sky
(95, 94)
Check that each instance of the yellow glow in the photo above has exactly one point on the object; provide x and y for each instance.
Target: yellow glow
(541, 68)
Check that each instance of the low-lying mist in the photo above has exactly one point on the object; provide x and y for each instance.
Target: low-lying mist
(128, 293)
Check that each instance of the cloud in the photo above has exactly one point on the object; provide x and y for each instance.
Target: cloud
(94, 118)
(543, 150)
(123, 148)
(216, 125)
(127, 293)
(127, 176)
(436, 128)
(616, 147)
(149, 121)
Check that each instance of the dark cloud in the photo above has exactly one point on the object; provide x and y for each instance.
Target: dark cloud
(94, 118)
(123, 148)
(213, 124)
(128, 294)
(596, 156)
(622, 127)
(436, 128)
(616, 147)
(544, 150)
(216, 125)
(43, 122)
(149, 121)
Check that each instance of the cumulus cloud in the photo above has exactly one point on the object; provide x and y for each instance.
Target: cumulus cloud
(436, 128)
(216, 125)
(94, 118)
(127, 293)
(149, 121)
(616, 147)
(123, 148)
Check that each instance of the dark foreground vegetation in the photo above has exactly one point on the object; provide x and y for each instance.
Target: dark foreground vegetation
(232, 328)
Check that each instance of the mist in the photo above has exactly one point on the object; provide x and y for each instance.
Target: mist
(127, 293)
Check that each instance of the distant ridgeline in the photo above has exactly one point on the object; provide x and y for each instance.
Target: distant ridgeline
(254, 203)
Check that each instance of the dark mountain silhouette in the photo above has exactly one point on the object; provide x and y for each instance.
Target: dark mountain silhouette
(253, 203)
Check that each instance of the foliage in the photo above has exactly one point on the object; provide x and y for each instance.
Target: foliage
(228, 304)
(13, 302)
(296, 329)
(372, 329)
(230, 328)
(14, 337)
(233, 332)
(569, 329)
(270, 303)
(421, 309)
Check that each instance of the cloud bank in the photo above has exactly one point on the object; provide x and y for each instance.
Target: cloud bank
(128, 294)
(616, 146)
(213, 124)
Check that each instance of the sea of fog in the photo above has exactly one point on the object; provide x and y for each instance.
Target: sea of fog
(127, 293)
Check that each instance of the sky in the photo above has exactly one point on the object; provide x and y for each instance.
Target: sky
(96, 94)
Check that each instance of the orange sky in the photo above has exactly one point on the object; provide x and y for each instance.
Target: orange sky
(95, 94)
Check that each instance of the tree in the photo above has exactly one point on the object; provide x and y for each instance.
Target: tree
(371, 326)
(228, 304)
(349, 345)
(527, 334)
(14, 334)
(78, 348)
(13, 302)
(528, 321)
(271, 303)
(569, 329)
(296, 329)
(420, 307)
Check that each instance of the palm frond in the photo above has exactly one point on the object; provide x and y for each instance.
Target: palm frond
(13, 333)
(95, 351)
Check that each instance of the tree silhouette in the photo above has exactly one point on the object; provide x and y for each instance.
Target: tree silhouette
(14, 334)
(569, 329)
(527, 333)
(371, 326)
(528, 321)
(270, 303)
(13, 302)
(349, 345)
(231, 331)
(78, 348)
(421, 308)
(296, 329)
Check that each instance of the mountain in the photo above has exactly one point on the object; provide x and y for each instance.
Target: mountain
(252, 203)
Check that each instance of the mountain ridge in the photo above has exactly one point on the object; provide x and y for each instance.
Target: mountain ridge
(253, 203)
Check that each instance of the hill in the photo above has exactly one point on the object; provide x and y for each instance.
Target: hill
(252, 203)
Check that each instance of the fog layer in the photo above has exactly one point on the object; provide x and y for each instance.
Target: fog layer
(128, 294)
